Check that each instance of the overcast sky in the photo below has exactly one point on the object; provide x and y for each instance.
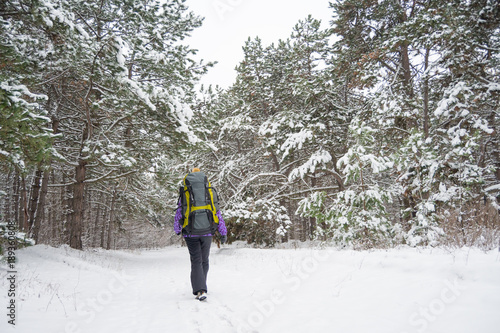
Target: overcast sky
(229, 23)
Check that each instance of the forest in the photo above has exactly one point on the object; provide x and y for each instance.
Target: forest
(380, 130)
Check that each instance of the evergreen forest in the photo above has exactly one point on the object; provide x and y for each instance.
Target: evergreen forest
(377, 129)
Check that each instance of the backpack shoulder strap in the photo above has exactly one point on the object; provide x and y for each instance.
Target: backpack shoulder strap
(210, 194)
(186, 192)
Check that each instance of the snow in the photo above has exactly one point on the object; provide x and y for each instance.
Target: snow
(493, 86)
(492, 188)
(17, 91)
(122, 53)
(256, 290)
(319, 158)
(295, 141)
(452, 100)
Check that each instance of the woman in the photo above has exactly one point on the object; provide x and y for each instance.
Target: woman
(198, 244)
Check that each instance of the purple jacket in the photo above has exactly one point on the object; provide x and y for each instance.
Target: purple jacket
(178, 227)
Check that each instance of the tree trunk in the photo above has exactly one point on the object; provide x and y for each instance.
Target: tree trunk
(96, 224)
(41, 206)
(40, 209)
(66, 216)
(33, 203)
(495, 152)
(53, 221)
(312, 220)
(111, 219)
(15, 195)
(405, 63)
(104, 224)
(87, 218)
(76, 225)
(7, 206)
(23, 207)
(426, 95)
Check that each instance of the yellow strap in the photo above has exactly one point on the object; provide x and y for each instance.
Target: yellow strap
(186, 214)
(216, 218)
(186, 193)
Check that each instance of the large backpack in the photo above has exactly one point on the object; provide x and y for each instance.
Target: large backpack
(199, 203)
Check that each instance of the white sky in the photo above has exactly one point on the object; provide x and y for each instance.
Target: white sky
(229, 23)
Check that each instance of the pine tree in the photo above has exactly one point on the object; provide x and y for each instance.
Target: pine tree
(117, 81)
(356, 215)
(421, 65)
(283, 119)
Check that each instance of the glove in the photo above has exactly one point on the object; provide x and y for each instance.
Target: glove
(223, 239)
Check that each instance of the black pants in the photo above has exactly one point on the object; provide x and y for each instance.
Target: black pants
(199, 250)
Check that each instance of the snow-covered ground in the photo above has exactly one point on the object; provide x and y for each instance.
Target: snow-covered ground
(255, 290)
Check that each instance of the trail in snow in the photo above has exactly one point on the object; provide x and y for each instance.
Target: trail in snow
(256, 290)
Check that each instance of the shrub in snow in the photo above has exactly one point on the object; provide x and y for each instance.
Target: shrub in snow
(357, 215)
(262, 222)
(10, 238)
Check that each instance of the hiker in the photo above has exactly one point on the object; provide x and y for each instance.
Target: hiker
(198, 225)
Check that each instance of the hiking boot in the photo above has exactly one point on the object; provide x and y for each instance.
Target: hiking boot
(201, 296)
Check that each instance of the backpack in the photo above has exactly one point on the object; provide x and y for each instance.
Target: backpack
(200, 204)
